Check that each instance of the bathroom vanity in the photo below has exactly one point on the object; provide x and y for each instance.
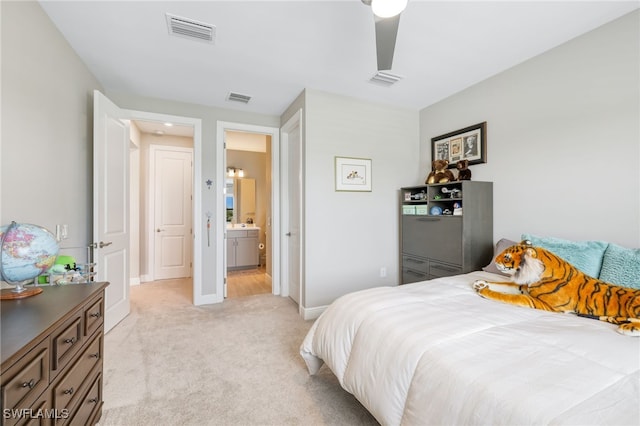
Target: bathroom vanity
(242, 247)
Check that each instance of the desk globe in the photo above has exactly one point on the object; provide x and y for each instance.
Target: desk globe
(26, 251)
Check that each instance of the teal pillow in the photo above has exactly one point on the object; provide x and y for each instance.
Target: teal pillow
(585, 255)
(621, 266)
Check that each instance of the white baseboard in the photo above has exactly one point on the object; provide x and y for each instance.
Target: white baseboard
(134, 281)
(208, 299)
(312, 313)
(145, 278)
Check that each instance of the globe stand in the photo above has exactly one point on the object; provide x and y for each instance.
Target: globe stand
(19, 291)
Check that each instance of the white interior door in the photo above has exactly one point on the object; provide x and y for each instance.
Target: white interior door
(111, 206)
(292, 149)
(172, 170)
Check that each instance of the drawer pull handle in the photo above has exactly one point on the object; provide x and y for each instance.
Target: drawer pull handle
(96, 355)
(70, 341)
(428, 219)
(419, 262)
(30, 384)
(95, 315)
(93, 401)
(68, 391)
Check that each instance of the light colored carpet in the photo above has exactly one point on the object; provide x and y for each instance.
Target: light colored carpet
(235, 363)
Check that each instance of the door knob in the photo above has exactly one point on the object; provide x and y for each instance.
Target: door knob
(288, 234)
(103, 244)
(159, 230)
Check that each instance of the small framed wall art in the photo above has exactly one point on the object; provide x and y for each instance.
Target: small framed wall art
(469, 143)
(353, 174)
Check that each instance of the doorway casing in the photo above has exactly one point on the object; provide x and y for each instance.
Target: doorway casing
(196, 123)
(292, 195)
(272, 216)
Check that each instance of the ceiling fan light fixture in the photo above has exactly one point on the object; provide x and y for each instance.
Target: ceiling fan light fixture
(388, 8)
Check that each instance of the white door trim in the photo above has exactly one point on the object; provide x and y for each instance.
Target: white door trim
(292, 123)
(220, 225)
(196, 123)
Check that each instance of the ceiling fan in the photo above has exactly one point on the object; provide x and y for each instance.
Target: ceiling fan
(386, 14)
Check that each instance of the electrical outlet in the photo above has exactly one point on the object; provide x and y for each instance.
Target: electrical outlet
(62, 232)
(383, 272)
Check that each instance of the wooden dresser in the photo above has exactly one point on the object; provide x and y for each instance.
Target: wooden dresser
(51, 349)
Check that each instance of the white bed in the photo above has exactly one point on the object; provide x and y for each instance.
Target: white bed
(436, 353)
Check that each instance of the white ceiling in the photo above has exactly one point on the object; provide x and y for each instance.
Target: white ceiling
(272, 50)
(161, 129)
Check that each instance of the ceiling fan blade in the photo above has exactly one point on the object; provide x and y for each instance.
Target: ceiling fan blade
(386, 33)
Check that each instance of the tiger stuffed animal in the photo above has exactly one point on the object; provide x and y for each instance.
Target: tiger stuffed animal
(542, 280)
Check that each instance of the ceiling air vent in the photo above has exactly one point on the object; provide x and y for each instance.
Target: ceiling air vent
(384, 78)
(238, 97)
(188, 28)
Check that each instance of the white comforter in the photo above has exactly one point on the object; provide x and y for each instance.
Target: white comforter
(436, 353)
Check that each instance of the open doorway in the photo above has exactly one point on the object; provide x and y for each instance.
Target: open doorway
(161, 200)
(263, 242)
(247, 204)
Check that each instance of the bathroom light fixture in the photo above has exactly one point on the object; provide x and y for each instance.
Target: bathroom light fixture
(232, 172)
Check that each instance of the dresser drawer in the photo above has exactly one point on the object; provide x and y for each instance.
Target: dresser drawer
(433, 237)
(24, 381)
(70, 387)
(39, 414)
(415, 263)
(65, 342)
(439, 269)
(89, 405)
(93, 316)
(412, 276)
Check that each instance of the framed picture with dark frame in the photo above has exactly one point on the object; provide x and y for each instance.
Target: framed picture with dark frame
(469, 143)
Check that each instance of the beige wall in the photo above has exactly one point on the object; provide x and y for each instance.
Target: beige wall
(349, 236)
(134, 204)
(563, 133)
(47, 130)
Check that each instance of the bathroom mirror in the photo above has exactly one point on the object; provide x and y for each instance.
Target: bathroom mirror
(240, 200)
